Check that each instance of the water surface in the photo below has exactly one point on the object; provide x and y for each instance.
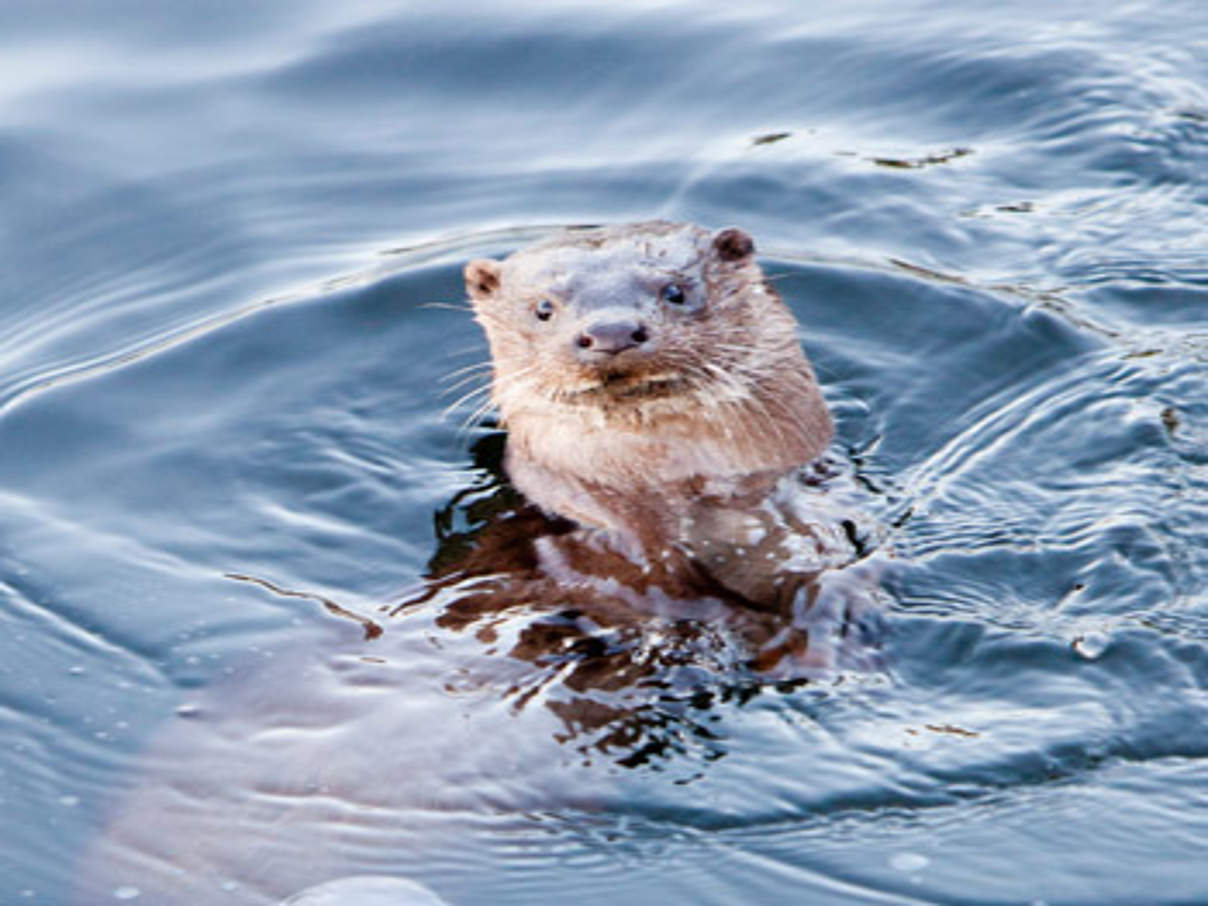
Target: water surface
(223, 229)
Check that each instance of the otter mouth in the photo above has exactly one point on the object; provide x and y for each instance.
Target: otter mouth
(615, 386)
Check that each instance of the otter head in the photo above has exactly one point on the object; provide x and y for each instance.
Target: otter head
(640, 354)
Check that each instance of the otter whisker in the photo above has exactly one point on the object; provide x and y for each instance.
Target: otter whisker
(745, 402)
(474, 417)
(475, 366)
(749, 404)
(465, 398)
(515, 383)
(494, 388)
(465, 349)
(448, 306)
(468, 379)
(498, 390)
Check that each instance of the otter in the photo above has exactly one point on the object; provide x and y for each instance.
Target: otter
(673, 535)
(656, 395)
(640, 367)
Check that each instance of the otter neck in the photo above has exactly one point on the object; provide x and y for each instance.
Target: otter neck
(636, 470)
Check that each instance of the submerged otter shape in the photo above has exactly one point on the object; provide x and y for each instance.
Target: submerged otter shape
(655, 393)
(641, 367)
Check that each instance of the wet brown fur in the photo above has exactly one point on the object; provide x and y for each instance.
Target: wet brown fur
(724, 393)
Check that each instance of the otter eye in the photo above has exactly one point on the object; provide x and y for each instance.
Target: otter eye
(673, 293)
(544, 310)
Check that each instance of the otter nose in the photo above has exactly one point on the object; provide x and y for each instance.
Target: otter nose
(611, 337)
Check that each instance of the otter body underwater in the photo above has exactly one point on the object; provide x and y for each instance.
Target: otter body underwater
(681, 525)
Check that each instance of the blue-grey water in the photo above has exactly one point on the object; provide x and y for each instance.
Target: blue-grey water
(222, 227)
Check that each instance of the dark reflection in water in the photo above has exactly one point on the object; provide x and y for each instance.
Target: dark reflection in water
(641, 651)
(496, 690)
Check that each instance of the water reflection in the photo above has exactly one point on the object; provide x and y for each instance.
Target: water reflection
(1046, 442)
(639, 653)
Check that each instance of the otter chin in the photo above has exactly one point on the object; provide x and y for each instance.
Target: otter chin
(638, 367)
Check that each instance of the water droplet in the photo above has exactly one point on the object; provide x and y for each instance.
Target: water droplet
(69, 801)
(127, 893)
(1091, 645)
(909, 861)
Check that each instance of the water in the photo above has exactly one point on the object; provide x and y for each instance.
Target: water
(220, 229)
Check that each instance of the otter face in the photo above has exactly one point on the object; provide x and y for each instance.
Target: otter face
(622, 318)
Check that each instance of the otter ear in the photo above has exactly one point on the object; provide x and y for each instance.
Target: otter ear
(482, 278)
(733, 245)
